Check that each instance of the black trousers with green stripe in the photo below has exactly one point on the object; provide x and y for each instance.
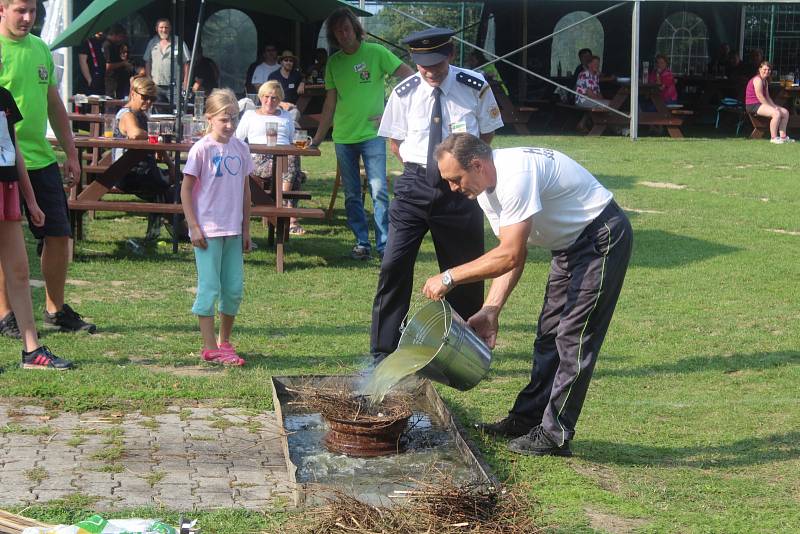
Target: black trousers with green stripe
(582, 290)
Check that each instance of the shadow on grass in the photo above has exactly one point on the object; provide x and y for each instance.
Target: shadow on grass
(660, 249)
(744, 452)
(700, 364)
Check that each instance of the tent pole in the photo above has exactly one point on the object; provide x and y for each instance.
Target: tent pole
(635, 78)
(200, 14)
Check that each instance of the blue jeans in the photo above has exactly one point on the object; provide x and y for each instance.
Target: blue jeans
(373, 152)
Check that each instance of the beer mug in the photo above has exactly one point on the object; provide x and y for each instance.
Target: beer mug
(301, 139)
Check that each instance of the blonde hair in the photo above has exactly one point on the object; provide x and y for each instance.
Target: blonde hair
(272, 85)
(218, 102)
(143, 85)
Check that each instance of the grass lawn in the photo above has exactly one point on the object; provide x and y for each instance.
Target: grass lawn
(692, 420)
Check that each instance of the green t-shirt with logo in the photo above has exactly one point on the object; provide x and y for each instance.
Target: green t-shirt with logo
(27, 72)
(359, 82)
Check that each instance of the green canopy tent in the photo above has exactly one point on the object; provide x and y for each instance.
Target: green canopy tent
(101, 14)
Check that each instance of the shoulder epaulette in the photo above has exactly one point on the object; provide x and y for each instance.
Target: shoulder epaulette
(405, 87)
(469, 81)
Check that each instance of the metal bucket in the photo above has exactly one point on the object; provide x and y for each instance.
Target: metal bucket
(461, 360)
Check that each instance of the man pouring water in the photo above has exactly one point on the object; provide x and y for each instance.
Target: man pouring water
(538, 196)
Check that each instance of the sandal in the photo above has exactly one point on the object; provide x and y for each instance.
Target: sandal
(223, 357)
(296, 229)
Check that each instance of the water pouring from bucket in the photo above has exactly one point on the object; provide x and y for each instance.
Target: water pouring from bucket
(436, 343)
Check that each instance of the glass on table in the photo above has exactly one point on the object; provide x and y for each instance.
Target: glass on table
(109, 125)
(301, 139)
(153, 131)
(168, 131)
(272, 133)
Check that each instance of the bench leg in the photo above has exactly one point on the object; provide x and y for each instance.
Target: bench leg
(675, 132)
(280, 229)
(521, 128)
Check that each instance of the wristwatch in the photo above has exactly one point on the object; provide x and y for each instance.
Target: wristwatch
(447, 280)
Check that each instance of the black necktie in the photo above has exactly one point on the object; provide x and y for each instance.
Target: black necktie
(434, 138)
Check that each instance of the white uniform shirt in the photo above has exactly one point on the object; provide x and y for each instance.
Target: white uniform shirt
(465, 108)
(558, 193)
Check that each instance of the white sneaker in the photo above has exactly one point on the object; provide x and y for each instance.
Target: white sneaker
(777, 141)
(787, 139)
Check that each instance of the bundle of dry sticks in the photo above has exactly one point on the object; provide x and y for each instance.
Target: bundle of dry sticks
(440, 507)
(345, 405)
(15, 524)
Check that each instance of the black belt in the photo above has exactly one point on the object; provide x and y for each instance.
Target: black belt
(415, 168)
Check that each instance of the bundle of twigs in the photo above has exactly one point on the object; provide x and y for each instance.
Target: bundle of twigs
(441, 508)
(15, 524)
(343, 405)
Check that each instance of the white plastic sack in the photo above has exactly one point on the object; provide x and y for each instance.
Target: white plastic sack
(98, 525)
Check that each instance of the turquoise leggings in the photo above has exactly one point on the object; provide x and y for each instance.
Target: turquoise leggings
(220, 275)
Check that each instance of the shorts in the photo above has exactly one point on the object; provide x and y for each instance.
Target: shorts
(9, 202)
(49, 191)
(752, 108)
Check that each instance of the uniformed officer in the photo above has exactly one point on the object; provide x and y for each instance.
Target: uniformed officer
(537, 196)
(422, 110)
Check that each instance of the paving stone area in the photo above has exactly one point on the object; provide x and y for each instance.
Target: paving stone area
(184, 459)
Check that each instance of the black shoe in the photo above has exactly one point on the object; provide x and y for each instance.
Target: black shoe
(360, 252)
(537, 443)
(42, 358)
(67, 320)
(9, 326)
(508, 427)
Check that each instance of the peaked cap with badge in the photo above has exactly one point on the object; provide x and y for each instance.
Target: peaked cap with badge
(431, 46)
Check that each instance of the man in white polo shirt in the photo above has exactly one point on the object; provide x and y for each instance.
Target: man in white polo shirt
(538, 196)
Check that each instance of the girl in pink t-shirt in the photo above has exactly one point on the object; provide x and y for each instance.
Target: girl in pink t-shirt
(663, 77)
(216, 201)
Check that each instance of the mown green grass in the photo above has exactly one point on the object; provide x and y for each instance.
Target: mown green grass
(691, 422)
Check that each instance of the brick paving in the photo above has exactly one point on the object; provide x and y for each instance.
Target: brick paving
(184, 459)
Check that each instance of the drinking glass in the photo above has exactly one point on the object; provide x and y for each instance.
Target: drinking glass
(109, 123)
(301, 139)
(153, 131)
(272, 133)
(187, 128)
(168, 131)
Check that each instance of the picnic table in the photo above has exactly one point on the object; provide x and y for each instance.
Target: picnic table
(267, 197)
(671, 118)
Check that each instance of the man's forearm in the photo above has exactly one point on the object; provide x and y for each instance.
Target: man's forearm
(502, 287)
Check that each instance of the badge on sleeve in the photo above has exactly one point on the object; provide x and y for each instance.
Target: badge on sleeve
(494, 111)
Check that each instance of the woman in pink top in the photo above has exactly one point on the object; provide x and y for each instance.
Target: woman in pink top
(216, 202)
(663, 77)
(758, 101)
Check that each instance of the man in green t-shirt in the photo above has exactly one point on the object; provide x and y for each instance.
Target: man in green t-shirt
(29, 74)
(354, 80)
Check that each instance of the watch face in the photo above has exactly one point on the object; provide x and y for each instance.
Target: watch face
(447, 279)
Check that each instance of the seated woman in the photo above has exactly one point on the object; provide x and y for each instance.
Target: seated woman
(758, 101)
(588, 85)
(145, 180)
(253, 127)
(663, 77)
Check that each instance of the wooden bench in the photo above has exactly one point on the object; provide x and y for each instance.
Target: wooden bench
(279, 217)
(512, 115)
(673, 122)
(761, 124)
(572, 115)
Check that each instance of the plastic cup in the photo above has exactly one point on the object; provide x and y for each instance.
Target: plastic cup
(109, 123)
(153, 131)
(272, 133)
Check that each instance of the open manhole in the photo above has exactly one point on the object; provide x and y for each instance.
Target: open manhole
(430, 439)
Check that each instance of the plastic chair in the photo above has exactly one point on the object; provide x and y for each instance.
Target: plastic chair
(732, 105)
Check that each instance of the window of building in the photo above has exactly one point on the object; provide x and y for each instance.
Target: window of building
(775, 29)
(229, 38)
(683, 38)
(564, 51)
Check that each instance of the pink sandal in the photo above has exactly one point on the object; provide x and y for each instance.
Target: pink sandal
(222, 356)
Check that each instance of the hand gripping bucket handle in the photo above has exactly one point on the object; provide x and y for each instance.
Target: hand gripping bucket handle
(461, 359)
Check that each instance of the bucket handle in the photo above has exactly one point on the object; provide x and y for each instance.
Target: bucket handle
(417, 303)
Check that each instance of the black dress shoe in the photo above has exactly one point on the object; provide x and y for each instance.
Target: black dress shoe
(508, 427)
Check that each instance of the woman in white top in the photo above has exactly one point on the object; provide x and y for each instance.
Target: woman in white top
(253, 129)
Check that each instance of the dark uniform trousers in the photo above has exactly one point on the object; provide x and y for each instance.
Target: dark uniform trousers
(456, 226)
(582, 290)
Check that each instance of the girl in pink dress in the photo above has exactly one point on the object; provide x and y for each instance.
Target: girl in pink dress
(663, 77)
